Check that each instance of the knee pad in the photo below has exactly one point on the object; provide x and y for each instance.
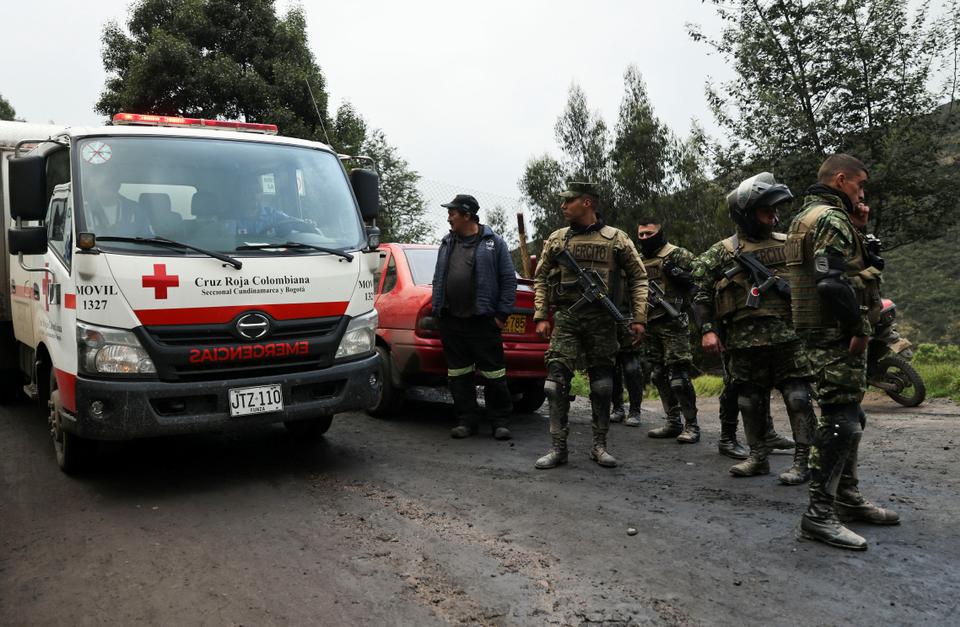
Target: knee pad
(601, 383)
(797, 396)
(559, 373)
(841, 424)
(679, 379)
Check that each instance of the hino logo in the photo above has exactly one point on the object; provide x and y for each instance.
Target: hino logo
(253, 326)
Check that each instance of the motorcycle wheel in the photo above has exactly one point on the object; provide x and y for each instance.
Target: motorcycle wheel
(899, 371)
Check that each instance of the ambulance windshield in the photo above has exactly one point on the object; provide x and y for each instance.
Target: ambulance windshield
(219, 195)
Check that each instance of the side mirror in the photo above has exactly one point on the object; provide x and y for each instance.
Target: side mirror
(28, 188)
(28, 240)
(366, 187)
(373, 238)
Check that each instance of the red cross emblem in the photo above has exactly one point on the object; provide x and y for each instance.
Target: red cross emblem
(160, 281)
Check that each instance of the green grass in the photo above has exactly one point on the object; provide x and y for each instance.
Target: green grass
(939, 365)
(706, 385)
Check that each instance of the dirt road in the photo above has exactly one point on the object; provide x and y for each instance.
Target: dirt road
(392, 522)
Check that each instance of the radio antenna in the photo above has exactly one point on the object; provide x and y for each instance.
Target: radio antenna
(317, 109)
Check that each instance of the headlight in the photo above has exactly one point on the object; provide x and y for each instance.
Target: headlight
(360, 335)
(101, 350)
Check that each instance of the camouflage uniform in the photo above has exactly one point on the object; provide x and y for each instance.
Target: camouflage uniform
(629, 370)
(826, 251)
(666, 349)
(763, 349)
(587, 337)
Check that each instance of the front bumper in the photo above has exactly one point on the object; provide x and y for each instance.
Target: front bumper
(137, 409)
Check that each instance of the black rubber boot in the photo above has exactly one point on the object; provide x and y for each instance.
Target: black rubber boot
(618, 413)
(671, 408)
(850, 504)
(729, 411)
(683, 391)
(499, 404)
(775, 441)
(750, 403)
(836, 436)
(633, 378)
(464, 392)
(601, 387)
(798, 399)
(557, 391)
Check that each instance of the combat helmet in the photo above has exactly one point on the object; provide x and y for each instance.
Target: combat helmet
(761, 190)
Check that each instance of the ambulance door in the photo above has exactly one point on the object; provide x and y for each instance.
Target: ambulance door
(55, 316)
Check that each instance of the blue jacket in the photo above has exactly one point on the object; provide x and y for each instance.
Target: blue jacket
(495, 279)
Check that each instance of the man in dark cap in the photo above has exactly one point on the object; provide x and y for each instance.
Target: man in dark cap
(584, 333)
(474, 289)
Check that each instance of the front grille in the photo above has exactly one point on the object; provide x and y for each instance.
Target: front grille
(218, 352)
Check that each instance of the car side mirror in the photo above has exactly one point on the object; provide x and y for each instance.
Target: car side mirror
(28, 188)
(366, 187)
(27, 240)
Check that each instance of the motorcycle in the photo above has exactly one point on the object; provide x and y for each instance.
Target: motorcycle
(888, 361)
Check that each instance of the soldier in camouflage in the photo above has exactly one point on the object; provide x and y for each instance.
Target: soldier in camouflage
(666, 349)
(587, 335)
(630, 373)
(762, 347)
(835, 292)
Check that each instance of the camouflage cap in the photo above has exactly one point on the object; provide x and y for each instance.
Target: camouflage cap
(575, 189)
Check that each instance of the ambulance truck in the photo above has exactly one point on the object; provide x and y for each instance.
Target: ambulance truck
(168, 275)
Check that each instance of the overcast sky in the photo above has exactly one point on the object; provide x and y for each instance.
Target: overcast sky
(468, 92)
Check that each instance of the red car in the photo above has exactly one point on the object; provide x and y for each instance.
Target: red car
(408, 339)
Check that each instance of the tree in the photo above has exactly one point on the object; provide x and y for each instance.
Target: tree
(819, 77)
(543, 179)
(349, 130)
(233, 59)
(496, 218)
(641, 151)
(402, 208)
(6, 110)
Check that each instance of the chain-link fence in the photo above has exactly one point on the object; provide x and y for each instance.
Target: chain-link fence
(496, 210)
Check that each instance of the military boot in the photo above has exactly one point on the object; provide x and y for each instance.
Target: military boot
(837, 437)
(774, 441)
(754, 424)
(556, 456)
(599, 452)
(729, 412)
(799, 472)
(618, 414)
(671, 408)
(632, 419)
(820, 523)
(850, 504)
(558, 402)
(687, 397)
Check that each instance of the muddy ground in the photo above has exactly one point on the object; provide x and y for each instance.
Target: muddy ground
(392, 522)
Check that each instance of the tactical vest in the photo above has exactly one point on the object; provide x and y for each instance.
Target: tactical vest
(808, 311)
(593, 251)
(672, 293)
(731, 294)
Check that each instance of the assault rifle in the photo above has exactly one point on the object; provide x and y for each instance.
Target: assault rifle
(655, 296)
(763, 279)
(591, 286)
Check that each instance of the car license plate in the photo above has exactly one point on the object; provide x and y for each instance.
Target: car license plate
(261, 399)
(515, 324)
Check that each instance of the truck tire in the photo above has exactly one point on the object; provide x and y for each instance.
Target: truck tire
(531, 398)
(912, 390)
(309, 429)
(389, 398)
(74, 454)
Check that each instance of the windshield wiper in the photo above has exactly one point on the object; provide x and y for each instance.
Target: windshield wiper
(163, 241)
(300, 245)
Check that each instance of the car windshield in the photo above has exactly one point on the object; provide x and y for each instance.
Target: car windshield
(215, 194)
(422, 262)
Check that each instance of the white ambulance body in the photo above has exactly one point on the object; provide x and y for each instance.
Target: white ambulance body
(180, 279)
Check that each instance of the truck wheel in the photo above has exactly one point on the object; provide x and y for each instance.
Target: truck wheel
(531, 398)
(309, 429)
(909, 388)
(74, 454)
(389, 398)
